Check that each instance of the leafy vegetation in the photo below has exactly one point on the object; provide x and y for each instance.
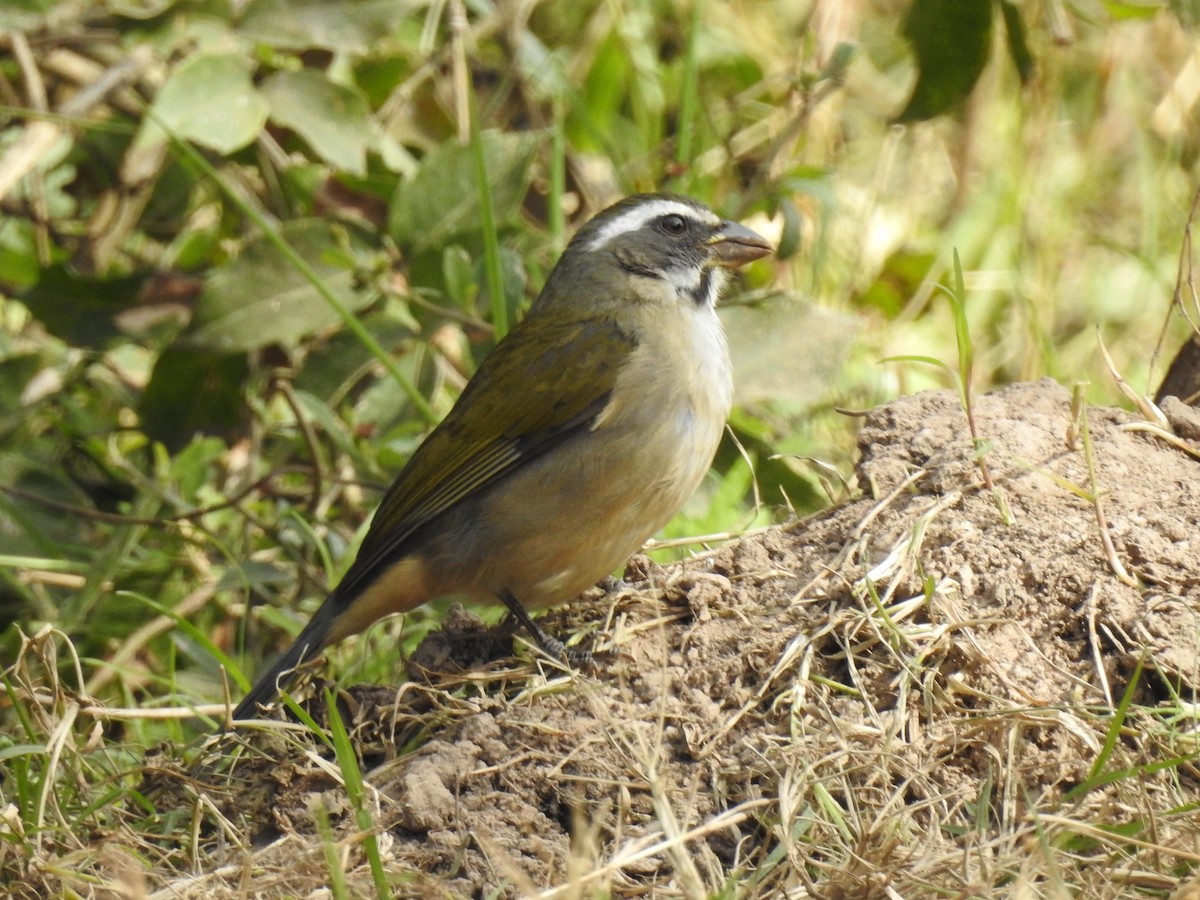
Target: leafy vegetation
(249, 254)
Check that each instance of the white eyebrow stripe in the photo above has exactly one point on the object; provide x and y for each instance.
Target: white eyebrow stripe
(638, 216)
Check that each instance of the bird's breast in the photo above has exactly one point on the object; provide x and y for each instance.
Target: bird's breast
(669, 406)
(679, 374)
(565, 520)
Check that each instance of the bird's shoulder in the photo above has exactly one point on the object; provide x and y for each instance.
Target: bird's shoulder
(551, 376)
(552, 367)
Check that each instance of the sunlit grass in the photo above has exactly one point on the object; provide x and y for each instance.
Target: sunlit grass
(1065, 201)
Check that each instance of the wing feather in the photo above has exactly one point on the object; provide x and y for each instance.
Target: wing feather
(533, 391)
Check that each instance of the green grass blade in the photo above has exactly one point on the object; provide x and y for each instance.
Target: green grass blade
(348, 762)
(1095, 778)
(491, 241)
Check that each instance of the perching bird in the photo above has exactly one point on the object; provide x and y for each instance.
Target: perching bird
(581, 434)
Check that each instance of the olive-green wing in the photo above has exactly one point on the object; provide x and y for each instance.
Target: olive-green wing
(538, 386)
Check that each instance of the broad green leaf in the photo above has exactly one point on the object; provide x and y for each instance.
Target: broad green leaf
(333, 119)
(442, 201)
(18, 256)
(950, 39)
(79, 309)
(260, 298)
(191, 390)
(208, 100)
(352, 26)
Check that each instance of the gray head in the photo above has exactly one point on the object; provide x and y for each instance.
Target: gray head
(653, 248)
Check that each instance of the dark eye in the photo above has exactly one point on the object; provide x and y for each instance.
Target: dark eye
(673, 225)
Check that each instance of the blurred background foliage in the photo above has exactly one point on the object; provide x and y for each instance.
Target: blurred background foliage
(251, 251)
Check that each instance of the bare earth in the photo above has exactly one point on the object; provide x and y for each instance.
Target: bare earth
(900, 697)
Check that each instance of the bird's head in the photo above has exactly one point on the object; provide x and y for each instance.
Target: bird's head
(654, 248)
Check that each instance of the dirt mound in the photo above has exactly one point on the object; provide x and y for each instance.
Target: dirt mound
(903, 696)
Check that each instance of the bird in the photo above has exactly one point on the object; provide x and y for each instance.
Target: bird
(580, 435)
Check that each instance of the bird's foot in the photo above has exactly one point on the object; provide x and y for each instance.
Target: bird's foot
(576, 657)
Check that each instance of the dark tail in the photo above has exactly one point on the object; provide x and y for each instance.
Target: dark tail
(308, 643)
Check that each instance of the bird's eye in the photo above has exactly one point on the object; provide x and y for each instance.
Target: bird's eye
(673, 225)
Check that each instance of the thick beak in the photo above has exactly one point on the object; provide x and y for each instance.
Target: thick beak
(735, 245)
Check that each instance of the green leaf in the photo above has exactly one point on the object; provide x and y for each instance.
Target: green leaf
(209, 100)
(15, 750)
(513, 280)
(927, 360)
(260, 298)
(29, 527)
(193, 469)
(19, 267)
(442, 200)
(595, 118)
(333, 119)
(951, 39)
(351, 26)
(333, 366)
(80, 310)
(315, 410)
(193, 390)
(899, 278)
(459, 275)
(1187, 12)
(1132, 10)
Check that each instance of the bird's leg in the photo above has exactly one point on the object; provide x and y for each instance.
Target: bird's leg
(551, 646)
